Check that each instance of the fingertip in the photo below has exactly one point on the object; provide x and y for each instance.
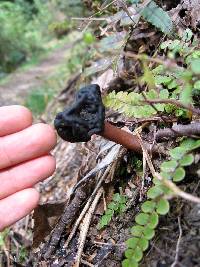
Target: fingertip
(17, 206)
(14, 118)
(27, 199)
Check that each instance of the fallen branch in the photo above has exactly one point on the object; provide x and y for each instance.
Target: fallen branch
(178, 130)
(70, 213)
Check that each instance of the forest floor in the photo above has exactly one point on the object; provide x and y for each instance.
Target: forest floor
(63, 231)
(17, 85)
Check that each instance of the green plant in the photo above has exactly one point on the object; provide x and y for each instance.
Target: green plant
(164, 83)
(3, 236)
(38, 99)
(157, 204)
(157, 17)
(116, 206)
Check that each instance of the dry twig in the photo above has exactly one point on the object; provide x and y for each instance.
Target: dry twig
(86, 208)
(175, 189)
(178, 244)
(192, 129)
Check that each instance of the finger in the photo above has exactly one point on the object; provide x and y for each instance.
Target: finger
(14, 119)
(16, 206)
(35, 141)
(25, 175)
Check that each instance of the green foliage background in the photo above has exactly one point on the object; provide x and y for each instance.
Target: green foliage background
(25, 28)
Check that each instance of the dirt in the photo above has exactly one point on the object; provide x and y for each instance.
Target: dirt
(21, 82)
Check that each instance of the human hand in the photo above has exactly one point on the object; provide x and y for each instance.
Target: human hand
(24, 161)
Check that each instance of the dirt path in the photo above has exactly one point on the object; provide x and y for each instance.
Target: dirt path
(20, 83)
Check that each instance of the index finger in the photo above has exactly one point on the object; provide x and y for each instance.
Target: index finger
(14, 119)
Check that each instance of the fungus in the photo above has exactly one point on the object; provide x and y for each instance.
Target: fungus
(87, 117)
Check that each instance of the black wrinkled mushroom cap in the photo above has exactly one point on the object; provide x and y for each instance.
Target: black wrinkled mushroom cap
(84, 118)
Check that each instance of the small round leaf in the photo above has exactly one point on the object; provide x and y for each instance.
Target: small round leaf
(177, 152)
(169, 166)
(138, 254)
(137, 230)
(162, 206)
(129, 253)
(148, 233)
(195, 65)
(154, 192)
(129, 263)
(132, 242)
(142, 218)
(153, 220)
(148, 206)
(179, 174)
(187, 160)
(143, 243)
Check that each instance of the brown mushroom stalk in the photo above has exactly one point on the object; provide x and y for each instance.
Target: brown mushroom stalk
(87, 117)
(121, 137)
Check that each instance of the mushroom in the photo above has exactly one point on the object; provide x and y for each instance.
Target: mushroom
(87, 117)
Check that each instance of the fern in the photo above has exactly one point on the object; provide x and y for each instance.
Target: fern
(157, 204)
(132, 104)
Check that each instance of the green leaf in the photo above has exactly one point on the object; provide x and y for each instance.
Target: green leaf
(161, 79)
(165, 175)
(169, 166)
(187, 35)
(156, 181)
(143, 243)
(109, 212)
(195, 66)
(177, 152)
(129, 253)
(179, 174)
(148, 206)
(162, 206)
(137, 230)
(148, 233)
(117, 197)
(88, 38)
(129, 263)
(186, 94)
(187, 160)
(164, 94)
(197, 85)
(154, 192)
(157, 17)
(112, 206)
(153, 220)
(138, 254)
(188, 144)
(132, 242)
(142, 218)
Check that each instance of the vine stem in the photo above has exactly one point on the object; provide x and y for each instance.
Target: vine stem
(175, 189)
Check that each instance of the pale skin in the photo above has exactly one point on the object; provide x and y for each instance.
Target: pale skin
(25, 160)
